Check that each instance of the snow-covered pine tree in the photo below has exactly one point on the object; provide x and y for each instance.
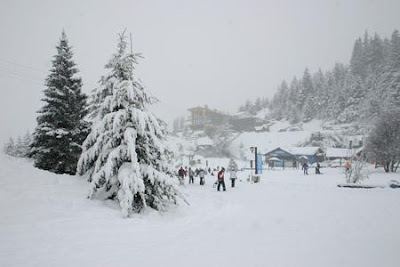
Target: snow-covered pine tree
(124, 156)
(293, 112)
(26, 141)
(320, 99)
(307, 97)
(373, 97)
(357, 61)
(376, 55)
(354, 91)
(232, 165)
(9, 147)
(20, 148)
(394, 76)
(337, 90)
(61, 127)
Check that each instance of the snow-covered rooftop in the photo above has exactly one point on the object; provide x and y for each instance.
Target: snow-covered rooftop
(204, 141)
(304, 151)
(243, 115)
(337, 152)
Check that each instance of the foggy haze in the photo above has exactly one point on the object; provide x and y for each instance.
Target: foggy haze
(219, 53)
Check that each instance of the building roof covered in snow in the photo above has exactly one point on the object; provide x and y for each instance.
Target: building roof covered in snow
(243, 115)
(204, 141)
(304, 151)
(338, 152)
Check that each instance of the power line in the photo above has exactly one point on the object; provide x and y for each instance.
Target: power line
(21, 65)
(35, 76)
(18, 72)
(20, 78)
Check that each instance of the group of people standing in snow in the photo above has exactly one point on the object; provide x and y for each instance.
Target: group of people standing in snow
(305, 168)
(201, 173)
(182, 174)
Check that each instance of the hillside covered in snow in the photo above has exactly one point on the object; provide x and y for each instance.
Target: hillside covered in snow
(315, 133)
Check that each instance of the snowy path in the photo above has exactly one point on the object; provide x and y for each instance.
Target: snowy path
(286, 220)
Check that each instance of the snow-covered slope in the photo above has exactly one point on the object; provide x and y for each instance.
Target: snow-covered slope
(286, 220)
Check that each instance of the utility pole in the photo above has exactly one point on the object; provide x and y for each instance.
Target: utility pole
(130, 34)
(254, 149)
(255, 160)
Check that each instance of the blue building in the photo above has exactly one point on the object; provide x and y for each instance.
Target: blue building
(293, 156)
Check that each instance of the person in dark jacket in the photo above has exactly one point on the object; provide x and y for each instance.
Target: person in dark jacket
(221, 179)
(317, 168)
(305, 168)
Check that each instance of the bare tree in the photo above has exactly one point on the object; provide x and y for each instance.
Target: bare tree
(356, 173)
(383, 143)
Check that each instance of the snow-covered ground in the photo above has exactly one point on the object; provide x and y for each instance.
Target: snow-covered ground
(287, 219)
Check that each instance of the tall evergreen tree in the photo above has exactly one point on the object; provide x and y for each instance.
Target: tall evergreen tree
(293, 112)
(394, 77)
(320, 98)
(357, 62)
(124, 156)
(359, 92)
(307, 97)
(376, 54)
(354, 93)
(374, 100)
(61, 127)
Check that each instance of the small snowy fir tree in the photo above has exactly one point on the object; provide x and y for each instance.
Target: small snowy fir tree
(20, 148)
(232, 166)
(9, 147)
(61, 127)
(124, 157)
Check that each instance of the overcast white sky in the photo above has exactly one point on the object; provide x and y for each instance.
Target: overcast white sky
(215, 52)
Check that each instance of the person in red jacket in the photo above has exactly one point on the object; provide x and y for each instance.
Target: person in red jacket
(221, 181)
(181, 174)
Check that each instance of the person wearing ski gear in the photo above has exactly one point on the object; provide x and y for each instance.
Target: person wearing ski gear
(201, 174)
(181, 174)
(233, 177)
(347, 166)
(221, 181)
(347, 169)
(317, 168)
(305, 168)
(191, 174)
